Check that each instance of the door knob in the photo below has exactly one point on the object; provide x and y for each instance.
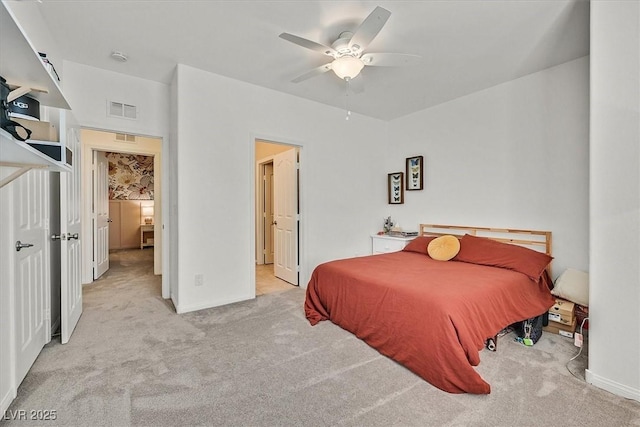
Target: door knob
(56, 237)
(20, 245)
(109, 220)
(274, 223)
(72, 236)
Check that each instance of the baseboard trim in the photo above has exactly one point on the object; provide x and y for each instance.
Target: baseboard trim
(181, 309)
(6, 401)
(612, 386)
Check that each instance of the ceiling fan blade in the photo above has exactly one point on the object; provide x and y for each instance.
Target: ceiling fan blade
(356, 85)
(369, 29)
(390, 59)
(315, 72)
(326, 50)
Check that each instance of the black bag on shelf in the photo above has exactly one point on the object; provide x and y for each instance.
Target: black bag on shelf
(18, 131)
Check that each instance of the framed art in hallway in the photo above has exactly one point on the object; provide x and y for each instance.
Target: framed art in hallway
(415, 173)
(395, 185)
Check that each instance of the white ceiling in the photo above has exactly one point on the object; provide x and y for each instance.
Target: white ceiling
(465, 46)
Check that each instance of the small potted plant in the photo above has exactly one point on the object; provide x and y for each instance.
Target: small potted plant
(388, 224)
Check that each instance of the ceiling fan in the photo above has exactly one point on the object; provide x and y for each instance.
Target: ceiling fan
(348, 51)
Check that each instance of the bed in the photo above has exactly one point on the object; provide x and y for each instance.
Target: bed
(434, 317)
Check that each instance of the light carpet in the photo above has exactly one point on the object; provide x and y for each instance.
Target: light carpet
(133, 361)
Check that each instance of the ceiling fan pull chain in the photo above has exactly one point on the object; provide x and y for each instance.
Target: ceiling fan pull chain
(346, 98)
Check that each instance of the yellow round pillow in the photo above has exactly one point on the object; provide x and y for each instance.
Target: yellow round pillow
(444, 248)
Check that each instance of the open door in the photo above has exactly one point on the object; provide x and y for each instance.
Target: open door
(285, 195)
(100, 214)
(71, 286)
(268, 224)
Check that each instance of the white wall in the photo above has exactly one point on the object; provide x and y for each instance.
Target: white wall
(218, 120)
(171, 253)
(88, 89)
(514, 156)
(614, 325)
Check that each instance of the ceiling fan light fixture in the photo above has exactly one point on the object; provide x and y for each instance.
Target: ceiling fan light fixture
(347, 67)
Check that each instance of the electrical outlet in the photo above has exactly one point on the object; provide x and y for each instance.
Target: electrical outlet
(199, 279)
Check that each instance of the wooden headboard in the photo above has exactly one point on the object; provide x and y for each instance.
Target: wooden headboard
(533, 239)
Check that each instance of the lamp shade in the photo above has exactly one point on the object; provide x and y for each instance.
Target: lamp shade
(347, 67)
(146, 212)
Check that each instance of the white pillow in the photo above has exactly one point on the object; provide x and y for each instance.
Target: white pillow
(573, 285)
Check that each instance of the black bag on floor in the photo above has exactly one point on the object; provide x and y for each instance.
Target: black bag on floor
(529, 331)
(18, 131)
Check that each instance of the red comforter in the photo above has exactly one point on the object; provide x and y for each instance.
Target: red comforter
(431, 316)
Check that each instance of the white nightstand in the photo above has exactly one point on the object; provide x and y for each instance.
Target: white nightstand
(382, 244)
(146, 235)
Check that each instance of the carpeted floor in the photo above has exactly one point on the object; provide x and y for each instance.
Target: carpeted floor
(133, 361)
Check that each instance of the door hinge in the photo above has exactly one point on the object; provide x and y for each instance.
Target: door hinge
(47, 315)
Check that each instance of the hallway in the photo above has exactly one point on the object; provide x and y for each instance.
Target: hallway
(267, 282)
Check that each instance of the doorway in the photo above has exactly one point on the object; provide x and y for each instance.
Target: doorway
(123, 207)
(276, 216)
(96, 144)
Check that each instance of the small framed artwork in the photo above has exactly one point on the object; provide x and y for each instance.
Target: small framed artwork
(414, 173)
(395, 182)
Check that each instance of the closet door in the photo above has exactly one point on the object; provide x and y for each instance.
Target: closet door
(124, 229)
(32, 275)
(130, 224)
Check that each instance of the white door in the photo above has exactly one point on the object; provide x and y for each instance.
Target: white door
(71, 286)
(268, 225)
(32, 280)
(285, 195)
(100, 214)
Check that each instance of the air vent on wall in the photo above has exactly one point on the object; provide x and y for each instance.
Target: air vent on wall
(119, 109)
(124, 137)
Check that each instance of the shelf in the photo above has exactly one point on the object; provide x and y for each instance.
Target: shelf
(18, 154)
(21, 66)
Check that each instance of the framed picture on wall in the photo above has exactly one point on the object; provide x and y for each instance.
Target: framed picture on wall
(395, 183)
(414, 173)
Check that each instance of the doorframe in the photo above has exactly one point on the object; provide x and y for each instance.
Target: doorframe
(303, 276)
(260, 164)
(88, 147)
